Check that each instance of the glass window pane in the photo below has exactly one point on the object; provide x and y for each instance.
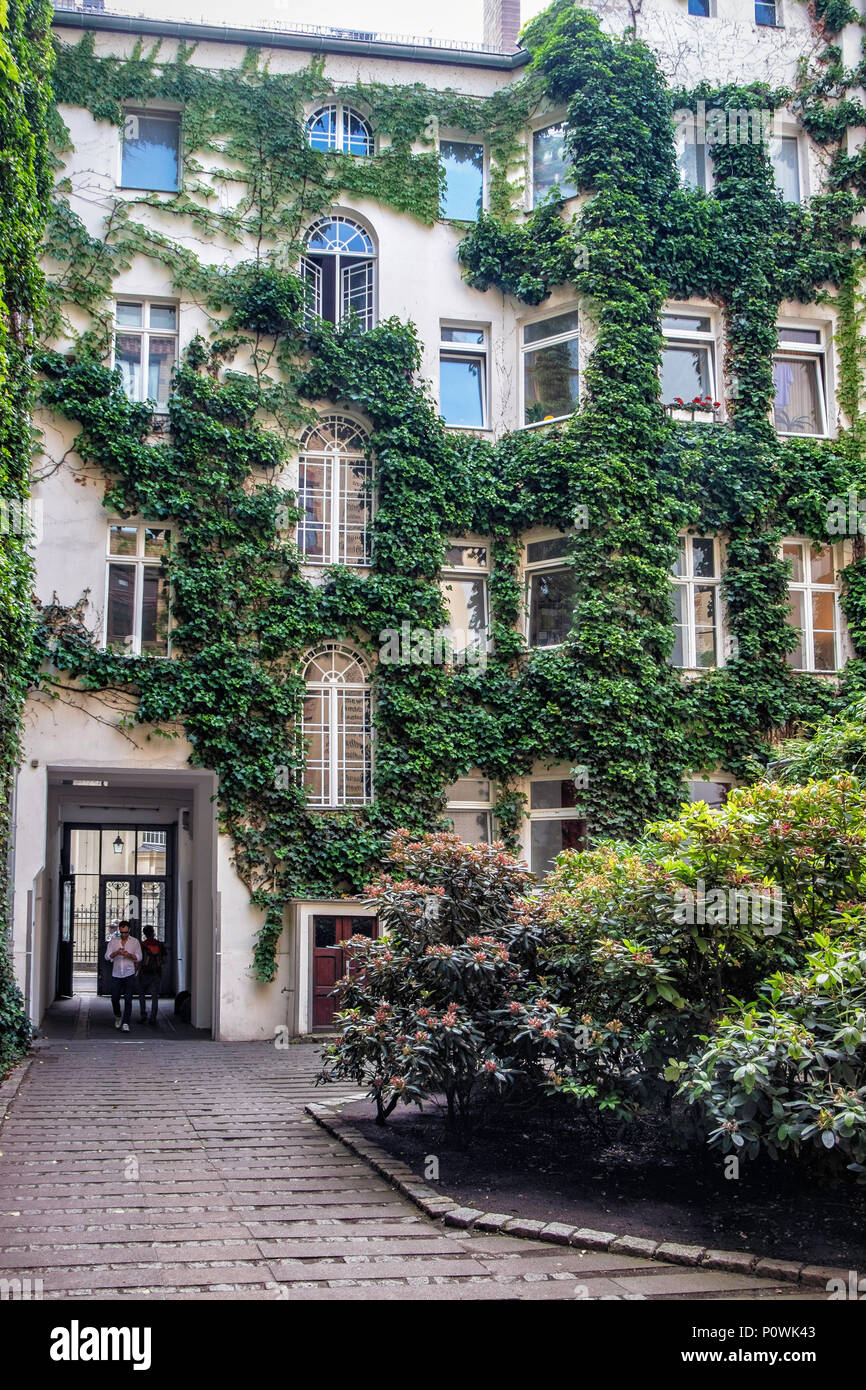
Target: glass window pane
(685, 372)
(356, 134)
(468, 556)
(150, 152)
(120, 625)
(164, 316)
(795, 618)
(127, 356)
(825, 651)
(797, 407)
(552, 794)
(322, 129)
(785, 159)
(703, 557)
(122, 540)
(821, 565)
(793, 551)
(326, 931)
(551, 607)
(550, 167)
(554, 548)
(463, 335)
(554, 327)
(129, 315)
(823, 611)
(685, 323)
(152, 851)
(462, 391)
(154, 613)
(118, 852)
(155, 541)
(473, 827)
(84, 852)
(464, 179)
(691, 163)
(701, 8)
(466, 600)
(713, 793)
(550, 378)
(765, 12)
(469, 789)
(799, 335)
(161, 356)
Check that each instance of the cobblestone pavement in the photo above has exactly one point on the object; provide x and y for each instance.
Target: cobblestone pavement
(132, 1169)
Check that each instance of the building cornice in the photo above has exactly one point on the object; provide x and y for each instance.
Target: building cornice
(190, 32)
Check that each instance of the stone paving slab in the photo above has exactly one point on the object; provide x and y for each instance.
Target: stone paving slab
(235, 1192)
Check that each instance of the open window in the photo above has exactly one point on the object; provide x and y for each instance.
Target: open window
(339, 268)
(551, 167)
(800, 381)
(551, 368)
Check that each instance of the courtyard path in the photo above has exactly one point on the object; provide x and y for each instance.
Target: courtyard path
(141, 1168)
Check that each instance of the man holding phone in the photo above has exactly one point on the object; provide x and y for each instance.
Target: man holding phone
(124, 952)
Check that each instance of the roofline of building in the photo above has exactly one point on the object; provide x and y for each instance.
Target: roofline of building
(189, 31)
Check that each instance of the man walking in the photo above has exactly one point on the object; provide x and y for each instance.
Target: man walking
(124, 952)
(150, 975)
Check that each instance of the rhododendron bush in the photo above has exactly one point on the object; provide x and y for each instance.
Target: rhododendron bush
(623, 983)
(444, 1002)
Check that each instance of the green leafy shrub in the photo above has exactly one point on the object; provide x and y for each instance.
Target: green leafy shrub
(789, 1073)
(444, 1001)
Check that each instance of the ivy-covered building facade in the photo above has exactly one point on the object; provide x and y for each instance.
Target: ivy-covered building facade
(429, 438)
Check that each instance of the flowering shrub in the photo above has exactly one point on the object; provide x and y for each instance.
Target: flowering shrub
(444, 1001)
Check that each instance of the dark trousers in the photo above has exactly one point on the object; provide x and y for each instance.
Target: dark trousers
(122, 987)
(148, 985)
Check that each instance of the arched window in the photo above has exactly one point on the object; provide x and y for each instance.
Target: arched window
(337, 728)
(339, 268)
(335, 478)
(338, 127)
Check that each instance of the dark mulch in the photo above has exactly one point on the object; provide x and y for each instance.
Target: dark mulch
(563, 1170)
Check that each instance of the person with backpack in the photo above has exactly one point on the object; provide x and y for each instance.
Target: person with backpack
(153, 955)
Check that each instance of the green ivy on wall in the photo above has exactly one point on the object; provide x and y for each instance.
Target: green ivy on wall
(25, 60)
(608, 698)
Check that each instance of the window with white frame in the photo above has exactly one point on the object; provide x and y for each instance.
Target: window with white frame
(688, 358)
(335, 493)
(784, 152)
(464, 587)
(551, 167)
(767, 13)
(339, 269)
(551, 368)
(813, 602)
(696, 602)
(136, 607)
(556, 821)
(694, 167)
(145, 348)
(150, 155)
(470, 802)
(338, 128)
(800, 381)
(550, 591)
(337, 729)
(463, 194)
(463, 376)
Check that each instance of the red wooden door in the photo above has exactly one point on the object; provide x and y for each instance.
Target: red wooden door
(329, 959)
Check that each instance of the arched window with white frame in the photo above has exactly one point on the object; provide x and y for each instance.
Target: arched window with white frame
(337, 127)
(335, 493)
(339, 267)
(337, 728)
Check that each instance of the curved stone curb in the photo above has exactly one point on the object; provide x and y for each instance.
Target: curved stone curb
(435, 1205)
(13, 1083)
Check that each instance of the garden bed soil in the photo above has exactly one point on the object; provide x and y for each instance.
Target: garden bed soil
(636, 1185)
